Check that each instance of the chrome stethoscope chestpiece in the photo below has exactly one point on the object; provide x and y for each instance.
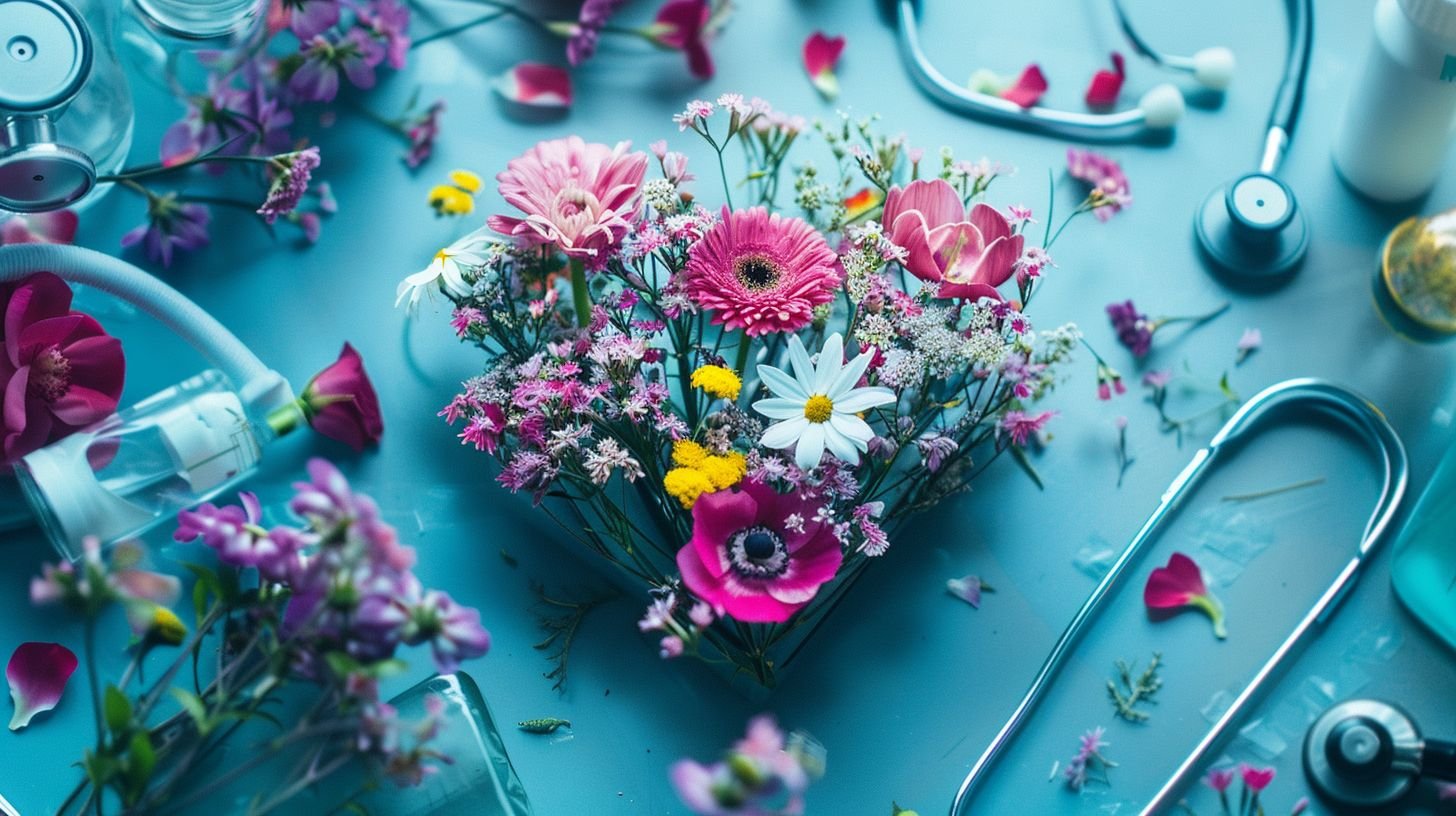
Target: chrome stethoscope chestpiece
(1363, 754)
(45, 59)
(1253, 230)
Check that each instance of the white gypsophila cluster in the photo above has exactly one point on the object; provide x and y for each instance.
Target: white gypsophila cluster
(902, 369)
(875, 330)
(1059, 342)
(661, 195)
(810, 193)
(986, 349)
(944, 350)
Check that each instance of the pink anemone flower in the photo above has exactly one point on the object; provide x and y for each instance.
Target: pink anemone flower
(1180, 584)
(761, 272)
(59, 370)
(968, 253)
(748, 562)
(580, 197)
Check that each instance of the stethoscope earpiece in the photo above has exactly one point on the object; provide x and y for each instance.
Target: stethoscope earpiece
(1363, 754)
(1253, 230)
(45, 59)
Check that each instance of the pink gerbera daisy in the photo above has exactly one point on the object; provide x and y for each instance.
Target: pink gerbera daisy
(762, 273)
(580, 197)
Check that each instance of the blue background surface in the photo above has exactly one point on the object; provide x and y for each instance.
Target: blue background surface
(905, 684)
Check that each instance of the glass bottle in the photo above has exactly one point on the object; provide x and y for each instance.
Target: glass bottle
(1424, 568)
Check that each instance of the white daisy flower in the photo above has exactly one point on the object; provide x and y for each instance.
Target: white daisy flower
(446, 271)
(819, 406)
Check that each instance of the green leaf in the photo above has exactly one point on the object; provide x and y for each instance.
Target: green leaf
(896, 810)
(194, 707)
(199, 602)
(117, 709)
(1021, 458)
(342, 665)
(141, 761)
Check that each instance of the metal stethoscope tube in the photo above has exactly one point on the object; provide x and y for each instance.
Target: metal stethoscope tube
(1321, 395)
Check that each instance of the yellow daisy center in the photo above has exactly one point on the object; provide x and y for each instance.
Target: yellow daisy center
(818, 408)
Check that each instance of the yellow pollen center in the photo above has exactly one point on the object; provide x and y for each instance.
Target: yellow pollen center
(818, 408)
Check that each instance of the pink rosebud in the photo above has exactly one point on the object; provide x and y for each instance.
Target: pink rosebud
(821, 57)
(340, 402)
(1180, 584)
(537, 85)
(1028, 88)
(1106, 85)
(1255, 779)
(670, 647)
(1219, 779)
(37, 674)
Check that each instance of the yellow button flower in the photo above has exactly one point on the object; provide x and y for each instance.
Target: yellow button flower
(717, 381)
(448, 199)
(465, 180)
(724, 471)
(686, 485)
(688, 453)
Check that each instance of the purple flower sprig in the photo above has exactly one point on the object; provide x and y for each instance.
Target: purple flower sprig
(1089, 764)
(1135, 330)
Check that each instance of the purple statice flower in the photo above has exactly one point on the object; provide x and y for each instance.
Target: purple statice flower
(453, 631)
(1133, 328)
(171, 224)
(934, 449)
(357, 54)
(309, 18)
(290, 182)
(1110, 190)
(422, 133)
(1089, 753)
(595, 14)
(1021, 426)
(389, 20)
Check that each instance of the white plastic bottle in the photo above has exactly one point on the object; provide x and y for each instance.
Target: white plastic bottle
(1393, 135)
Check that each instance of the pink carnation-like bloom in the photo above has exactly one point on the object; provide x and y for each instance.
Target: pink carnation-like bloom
(748, 563)
(968, 253)
(761, 272)
(580, 197)
(59, 370)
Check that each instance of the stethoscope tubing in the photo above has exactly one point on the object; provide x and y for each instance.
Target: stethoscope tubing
(1320, 394)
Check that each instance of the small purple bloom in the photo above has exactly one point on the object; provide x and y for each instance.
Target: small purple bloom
(389, 19)
(934, 449)
(356, 54)
(1110, 190)
(170, 225)
(1021, 426)
(1133, 328)
(310, 18)
(589, 24)
(453, 631)
(290, 182)
(422, 133)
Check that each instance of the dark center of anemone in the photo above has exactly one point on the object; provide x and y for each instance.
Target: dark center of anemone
(757, 272)
(758, 552)
(50, 375)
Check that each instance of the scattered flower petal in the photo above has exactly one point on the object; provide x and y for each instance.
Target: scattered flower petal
(821, 57)
(1255, 779)
(967, 589)
(37, 673)
(537, 85)
(1028, 88)
(1180, 584)
(1249, 342)
(1103, 90)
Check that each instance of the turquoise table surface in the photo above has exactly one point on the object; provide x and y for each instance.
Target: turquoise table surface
(905, 685)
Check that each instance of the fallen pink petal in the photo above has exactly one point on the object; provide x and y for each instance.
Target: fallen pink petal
(1106, 86)
(1180, 584)
(1029, 87)
(968, 589)
(536, 84)
(821, 58)
(37, 673)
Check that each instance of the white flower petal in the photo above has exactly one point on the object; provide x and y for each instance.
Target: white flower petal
(840, 445)
(783, 434)
(863, 399)
(780, 408)
(811, 445)
(852, 427)
(849, 377)
(831, 361)
(781, 384)
(803, 369)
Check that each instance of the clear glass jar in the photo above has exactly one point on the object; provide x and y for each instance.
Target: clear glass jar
(141, 466)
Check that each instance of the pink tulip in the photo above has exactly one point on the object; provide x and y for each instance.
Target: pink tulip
(340, 402)
(59, 370)
(1255, 779)
(821, 57)
(1180, 584)
(1219, 779)
(37, 674)
(968, 253)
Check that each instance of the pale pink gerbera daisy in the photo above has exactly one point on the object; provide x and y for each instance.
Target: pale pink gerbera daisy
(580, 197)
(762, 273)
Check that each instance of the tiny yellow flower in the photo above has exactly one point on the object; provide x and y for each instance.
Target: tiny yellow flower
(465, 180)
(717, 381)
(724, 471)
(686, 485)
(166, 627)
(688, 453)
(451, 200)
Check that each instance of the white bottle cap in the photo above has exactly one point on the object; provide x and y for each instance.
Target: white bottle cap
(1436, 17)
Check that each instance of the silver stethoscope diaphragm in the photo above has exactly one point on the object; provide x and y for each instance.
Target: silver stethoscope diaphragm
(1368, 754)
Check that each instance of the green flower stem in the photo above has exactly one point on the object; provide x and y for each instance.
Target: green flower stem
(445, 33)
(286, 419)
(1195, 320)
(580, 295)
(130, 175)
(1209, 605)
(745, 345)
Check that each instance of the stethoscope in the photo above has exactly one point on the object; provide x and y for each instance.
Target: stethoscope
(1359, 414)
(1252, 228)
(1367, 754)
